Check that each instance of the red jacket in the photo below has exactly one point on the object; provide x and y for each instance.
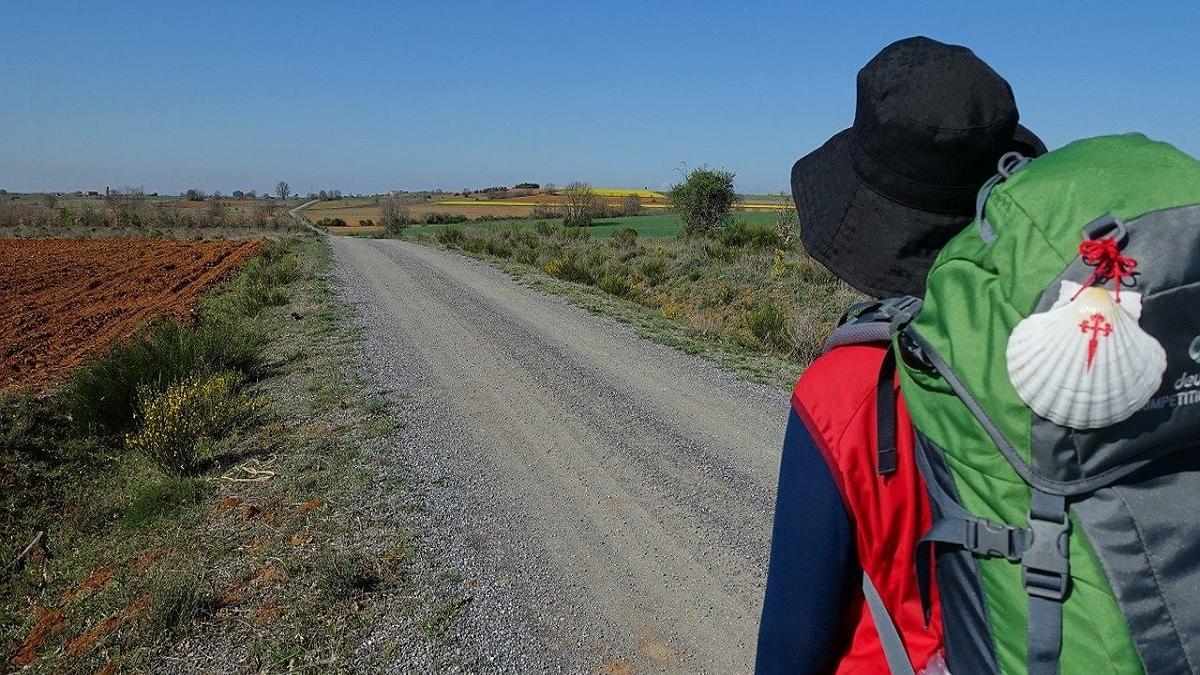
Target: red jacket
(834, 419)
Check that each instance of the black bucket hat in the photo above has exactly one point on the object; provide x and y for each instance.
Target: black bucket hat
(880, 199)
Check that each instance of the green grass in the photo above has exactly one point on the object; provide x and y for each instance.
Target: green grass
(655, 226)
(159, 497)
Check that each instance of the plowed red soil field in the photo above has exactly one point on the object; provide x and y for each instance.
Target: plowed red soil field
(65, 300)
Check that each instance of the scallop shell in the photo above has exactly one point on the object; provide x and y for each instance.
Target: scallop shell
(1086, 363)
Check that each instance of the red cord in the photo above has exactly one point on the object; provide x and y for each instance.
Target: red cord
(1105, 255)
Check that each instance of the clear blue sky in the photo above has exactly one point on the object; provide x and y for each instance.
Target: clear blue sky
(369, 96)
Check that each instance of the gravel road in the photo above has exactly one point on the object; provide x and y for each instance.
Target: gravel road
(607, 500)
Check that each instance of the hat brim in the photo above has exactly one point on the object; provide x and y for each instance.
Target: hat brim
(876, 244)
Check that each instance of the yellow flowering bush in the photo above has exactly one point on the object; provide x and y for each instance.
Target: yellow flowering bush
(171, 422)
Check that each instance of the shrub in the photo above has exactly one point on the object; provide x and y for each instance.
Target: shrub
(445, 218)
(450, 236)
(567, 269)
(393, 215)
(544, 212)
(786, 222)
(744, 234)
(768, 324)
(102, 396)
(526, 256)
(581, 205)
(703, 200)
(625, 237)
(616, 283)
(654, 270)
(631, 205)
(171, 422)
(497, 248)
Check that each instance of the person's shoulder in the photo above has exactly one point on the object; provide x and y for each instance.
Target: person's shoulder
(836, 387)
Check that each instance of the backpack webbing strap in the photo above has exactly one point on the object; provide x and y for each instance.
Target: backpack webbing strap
(889, 636)
(885, 416)
(980, 536)
(1045, 571)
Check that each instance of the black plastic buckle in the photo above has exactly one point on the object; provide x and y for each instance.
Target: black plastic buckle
(993, 539)
(1046, 561)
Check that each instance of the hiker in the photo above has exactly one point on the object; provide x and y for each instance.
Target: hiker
(876, 204)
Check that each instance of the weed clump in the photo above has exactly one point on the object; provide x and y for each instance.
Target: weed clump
(744, 234)
(768, 324)
(626, 237)
(567, 269)
(345, 575)
(450, 236)
(616, 283)
(655, 270)
(159, 497)
(172, 422)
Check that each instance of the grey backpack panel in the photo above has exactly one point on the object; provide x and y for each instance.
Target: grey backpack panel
(1146, 533)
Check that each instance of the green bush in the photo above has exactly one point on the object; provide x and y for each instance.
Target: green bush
(654, 270)
(445, 218)
(616, 283)
(703, 200)
(497, 248)
(450, 236)
(626, 237)
(102, 396)
(544, 229)
(172, 422)
(768, 324)
(568, 269)
(526, 256)
(744, 234)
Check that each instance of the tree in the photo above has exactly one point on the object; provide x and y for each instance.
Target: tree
(550, 189)
(580, 205)
(194, 195)
(238, 194)
(631, 205)
(703, 200)
(393, 214)
(283, 190)
(252, 194)
(323, 196)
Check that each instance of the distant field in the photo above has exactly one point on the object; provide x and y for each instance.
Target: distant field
(355, 210)
(650, 227)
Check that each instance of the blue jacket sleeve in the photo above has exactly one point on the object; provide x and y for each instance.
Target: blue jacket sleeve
(812, 570)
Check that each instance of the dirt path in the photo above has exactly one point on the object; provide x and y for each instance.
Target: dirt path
(606, 499)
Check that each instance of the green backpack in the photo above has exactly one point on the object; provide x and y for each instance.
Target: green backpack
(1057, 547)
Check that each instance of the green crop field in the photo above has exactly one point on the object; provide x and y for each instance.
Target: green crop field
(650, 227)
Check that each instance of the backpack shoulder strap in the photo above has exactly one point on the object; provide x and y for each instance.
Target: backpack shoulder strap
(873, 322)
(889, 636)
(876, 323)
